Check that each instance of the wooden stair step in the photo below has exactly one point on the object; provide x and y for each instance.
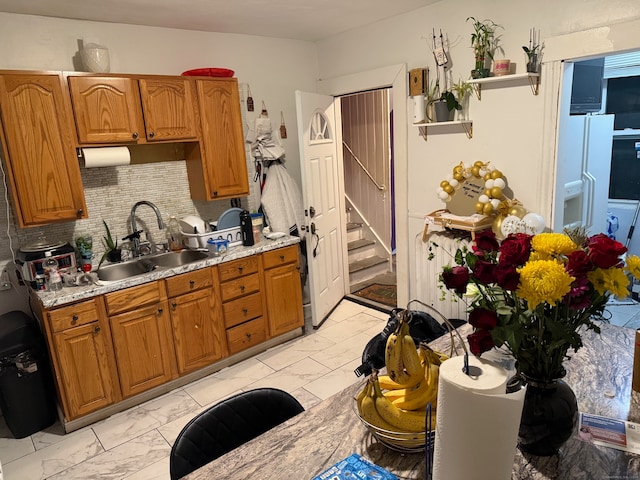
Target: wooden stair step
(366, 263)
(362, 242)
(353, 226)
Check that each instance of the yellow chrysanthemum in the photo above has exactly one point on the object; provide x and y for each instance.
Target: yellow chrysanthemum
(550, 245)
(613, 280)
(543, 281)
(633, 265)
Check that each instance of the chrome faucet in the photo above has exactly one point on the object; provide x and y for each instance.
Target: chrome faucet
(135, 233)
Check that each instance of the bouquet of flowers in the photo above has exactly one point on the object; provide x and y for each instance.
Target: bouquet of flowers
(534, 293)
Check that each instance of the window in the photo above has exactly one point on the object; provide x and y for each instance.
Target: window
(623, 99)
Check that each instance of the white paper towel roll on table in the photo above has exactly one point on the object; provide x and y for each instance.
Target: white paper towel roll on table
(476, 422)
(106, 157)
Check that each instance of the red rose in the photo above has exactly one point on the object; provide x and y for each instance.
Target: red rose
(485, 242)
(515, 249)
(579, 263)
(480, 342)
(507, 276)
(604, 252)
(483, 318)
(483, 271)
(455, 278)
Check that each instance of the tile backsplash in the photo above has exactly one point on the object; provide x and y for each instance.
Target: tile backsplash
(110, 192)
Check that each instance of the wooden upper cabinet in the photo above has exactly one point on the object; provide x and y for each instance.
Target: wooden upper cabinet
(106, 109)
(217, 168)
(38, 146)
(170, 109)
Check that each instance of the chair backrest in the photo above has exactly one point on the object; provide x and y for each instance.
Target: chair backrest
(229, 424)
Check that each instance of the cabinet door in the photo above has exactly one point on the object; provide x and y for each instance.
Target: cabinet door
(198, 330)
(83, 361)
(106, 109)
(143, 350)
(218, 169)
(41, 161)
(170, 109)
(283, 292)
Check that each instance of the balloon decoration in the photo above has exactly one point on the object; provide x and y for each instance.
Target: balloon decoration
(510, 215)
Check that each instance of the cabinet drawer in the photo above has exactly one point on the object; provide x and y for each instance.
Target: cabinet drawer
(281, 256)
(189, 282)
(132, 298)
(237, 268)
(241, 310)
(73, 315)
(240, 286)
(246, 335)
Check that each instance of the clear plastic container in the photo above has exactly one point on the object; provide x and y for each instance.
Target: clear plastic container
(174, 237)
(51, 272)
(256, 226)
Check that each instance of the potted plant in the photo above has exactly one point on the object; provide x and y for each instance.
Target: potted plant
(112, 252)
(441, 104)
(462, 89)
(533, 54)
(484, 43)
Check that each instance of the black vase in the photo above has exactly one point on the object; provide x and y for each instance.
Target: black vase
(549, 417)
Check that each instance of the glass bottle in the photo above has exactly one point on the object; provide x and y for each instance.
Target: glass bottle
(174, 237)
(51, 272)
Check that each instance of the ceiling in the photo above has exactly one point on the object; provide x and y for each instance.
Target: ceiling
(309, 20)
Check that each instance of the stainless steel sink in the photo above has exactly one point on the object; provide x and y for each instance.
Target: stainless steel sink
(121, 271)
(177, 259)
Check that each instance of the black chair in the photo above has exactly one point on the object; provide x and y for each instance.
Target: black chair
(227, 425)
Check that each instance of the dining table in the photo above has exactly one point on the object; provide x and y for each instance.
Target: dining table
(600, 374)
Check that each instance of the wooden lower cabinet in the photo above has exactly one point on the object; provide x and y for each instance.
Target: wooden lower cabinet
(283, 290)
(198, 331)
(141, 339)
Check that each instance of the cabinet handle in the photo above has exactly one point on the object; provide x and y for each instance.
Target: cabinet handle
(135, 135)
(80, 212)
(151, 134)
(174, 305)
(248, 336)
(191, 283)
(160, 311)
(282, 258)
(215, 193)
(74, 319)
(240, 269)
(242, 288)
(245, 311)
(96, 329)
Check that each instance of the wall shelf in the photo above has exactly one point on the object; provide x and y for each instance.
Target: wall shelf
(467, 125)
(533, 78)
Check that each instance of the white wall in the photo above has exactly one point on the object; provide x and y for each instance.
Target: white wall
(273, 69)
(509, 122)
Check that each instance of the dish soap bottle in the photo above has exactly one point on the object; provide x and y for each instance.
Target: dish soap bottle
(174, 237)
(246, 228)
(51, 272)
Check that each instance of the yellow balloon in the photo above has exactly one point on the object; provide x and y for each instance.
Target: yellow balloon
(487, 192)
(475, 171)
(518, 210)
(496, 174)
(487, 176)
(478, 163)
(449, 189)
(479, 207)
(496, 192)
(457, 169)
(496, 227)
(459, 177)
(444, 183)
(487, 209)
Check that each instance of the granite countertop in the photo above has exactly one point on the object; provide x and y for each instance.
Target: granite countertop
(71, 294)
(304, 446)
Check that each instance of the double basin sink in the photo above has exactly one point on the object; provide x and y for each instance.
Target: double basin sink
(139, 266)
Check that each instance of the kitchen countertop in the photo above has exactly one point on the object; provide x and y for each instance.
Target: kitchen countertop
(314, 440)
(71, 294)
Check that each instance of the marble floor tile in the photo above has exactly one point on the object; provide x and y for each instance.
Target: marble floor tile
(344, 352)
(334, 381)
(227, 381)
(292, 377)
(621, 314)
(170, 430)
(284, 355)
(156, 471)
(346, 310)
(53, 434)
(306, 398)
(346, 329)
(12, 448)
(134, 422)
(121, 461)
(49, 461)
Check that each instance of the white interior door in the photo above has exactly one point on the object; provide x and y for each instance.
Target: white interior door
(321, 192)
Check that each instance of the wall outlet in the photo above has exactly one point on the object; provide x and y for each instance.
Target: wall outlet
(5, 283)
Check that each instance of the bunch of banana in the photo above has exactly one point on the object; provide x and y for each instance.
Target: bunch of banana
(375, 408)
(404, 367)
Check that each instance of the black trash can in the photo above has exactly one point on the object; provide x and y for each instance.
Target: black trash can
(26, 389)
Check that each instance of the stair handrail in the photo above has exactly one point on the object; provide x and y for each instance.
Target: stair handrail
(382, 188)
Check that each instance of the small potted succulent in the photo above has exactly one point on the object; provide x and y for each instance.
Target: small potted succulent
(442, 104)
(112, 252)
(462, 91)
(484, 43)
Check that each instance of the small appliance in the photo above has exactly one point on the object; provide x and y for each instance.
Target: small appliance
(31, 256)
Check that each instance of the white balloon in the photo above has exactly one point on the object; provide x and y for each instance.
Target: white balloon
(483, 198)
(454, 183)
(495, 202)
(489, 184)
(534, 223)
(448, 199)
(443, 195)
(500, 183)
(511, 224)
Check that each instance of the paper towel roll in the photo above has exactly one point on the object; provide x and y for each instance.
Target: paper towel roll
(419, 109)
(106, 156)
(477, 422)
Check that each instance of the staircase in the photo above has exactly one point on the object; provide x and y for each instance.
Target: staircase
(366, 258)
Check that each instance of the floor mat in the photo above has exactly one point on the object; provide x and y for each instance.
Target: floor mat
(385, 294)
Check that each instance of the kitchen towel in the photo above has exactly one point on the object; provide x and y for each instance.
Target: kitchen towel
(476, 422)
(106, 157)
